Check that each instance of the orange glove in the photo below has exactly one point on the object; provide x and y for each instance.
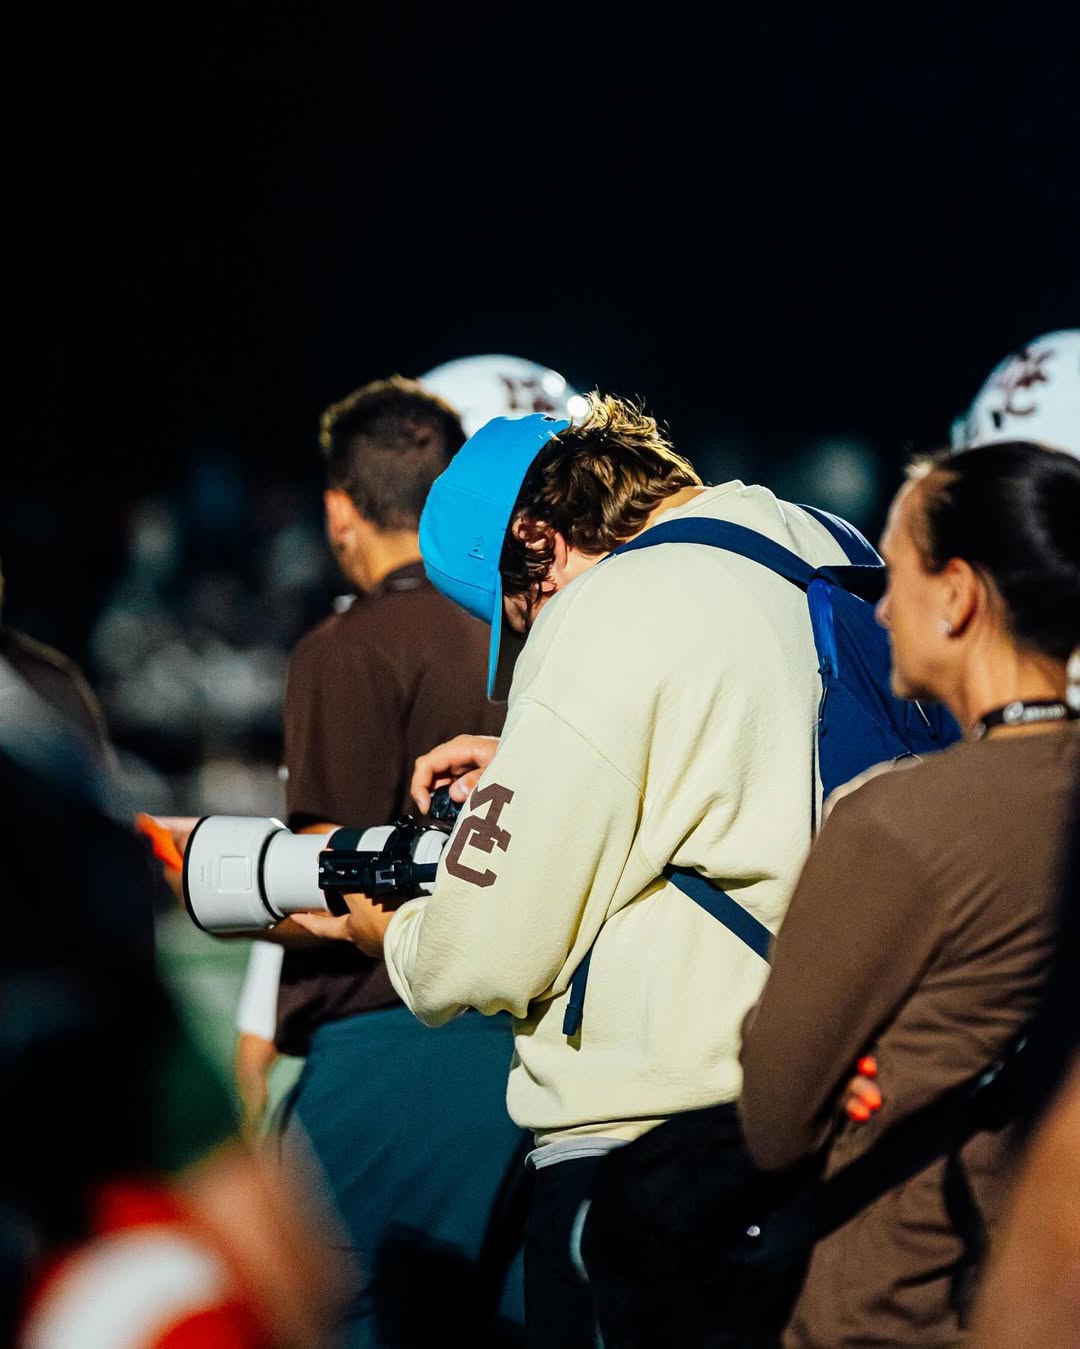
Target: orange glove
(165, 849)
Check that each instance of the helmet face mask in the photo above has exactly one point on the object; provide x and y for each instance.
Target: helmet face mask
(1032, 395)
(483, 387)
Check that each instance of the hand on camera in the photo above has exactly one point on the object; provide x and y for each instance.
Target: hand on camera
(456, 764)
(364, 925)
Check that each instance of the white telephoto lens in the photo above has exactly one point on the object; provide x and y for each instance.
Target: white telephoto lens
(291, 868)
(222, 862)
(290, 873)
(245, 874)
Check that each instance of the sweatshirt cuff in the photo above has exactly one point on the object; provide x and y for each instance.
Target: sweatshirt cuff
(399, 949)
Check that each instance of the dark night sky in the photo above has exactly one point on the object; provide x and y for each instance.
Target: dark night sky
(220, 225)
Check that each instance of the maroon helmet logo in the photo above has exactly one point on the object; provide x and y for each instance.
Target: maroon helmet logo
(526, 394)
(1022, 374)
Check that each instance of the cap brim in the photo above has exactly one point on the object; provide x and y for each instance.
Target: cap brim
(510, 648)
(498, 621)
(504, 648)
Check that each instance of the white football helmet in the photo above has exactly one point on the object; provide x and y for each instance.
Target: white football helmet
(1032, 395)
(482, 387)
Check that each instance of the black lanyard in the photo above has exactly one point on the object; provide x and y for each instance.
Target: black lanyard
(1019, 713)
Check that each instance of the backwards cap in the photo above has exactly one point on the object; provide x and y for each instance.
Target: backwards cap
(468, 511)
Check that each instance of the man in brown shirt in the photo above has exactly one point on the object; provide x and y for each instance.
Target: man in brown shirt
(369, 690)
(409, 1128)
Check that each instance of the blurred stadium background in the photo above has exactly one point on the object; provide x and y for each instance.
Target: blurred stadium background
(805, 258)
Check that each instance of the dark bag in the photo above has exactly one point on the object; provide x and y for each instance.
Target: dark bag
(687, 1242)
(665, 1228)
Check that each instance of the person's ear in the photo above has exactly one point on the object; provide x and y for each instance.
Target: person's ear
(534, 534)
(537, 535)
(965, 595)
(340, 518)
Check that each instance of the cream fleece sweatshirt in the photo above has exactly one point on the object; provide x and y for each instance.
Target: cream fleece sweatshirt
(662, 711)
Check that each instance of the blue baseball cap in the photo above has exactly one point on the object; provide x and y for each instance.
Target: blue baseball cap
(468, 511)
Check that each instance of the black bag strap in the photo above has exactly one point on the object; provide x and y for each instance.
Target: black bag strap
(969, 1224)
(938, 1130)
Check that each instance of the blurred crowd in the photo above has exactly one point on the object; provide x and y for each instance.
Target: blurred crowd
(214, 583)
(189, 649)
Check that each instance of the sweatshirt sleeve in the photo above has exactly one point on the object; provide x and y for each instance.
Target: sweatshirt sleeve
(852, 945)
(526, 880)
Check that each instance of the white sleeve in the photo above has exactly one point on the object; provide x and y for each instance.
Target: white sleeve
(256, 1013)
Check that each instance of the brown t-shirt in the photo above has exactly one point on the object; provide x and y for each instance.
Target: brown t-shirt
(920, 932)
(368, 691)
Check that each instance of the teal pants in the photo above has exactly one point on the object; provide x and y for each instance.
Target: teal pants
(425, 1170)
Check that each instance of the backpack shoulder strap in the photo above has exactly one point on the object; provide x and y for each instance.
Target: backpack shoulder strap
(857, 549)
(756, 547)
(731, 538)
(734, 916)
(716, 902)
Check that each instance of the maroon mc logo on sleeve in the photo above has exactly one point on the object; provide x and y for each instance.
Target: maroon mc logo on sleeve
(480, 829)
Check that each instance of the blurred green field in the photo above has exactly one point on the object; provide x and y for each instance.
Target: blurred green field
(204, 975)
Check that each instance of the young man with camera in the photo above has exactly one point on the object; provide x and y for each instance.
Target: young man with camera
(662, 712)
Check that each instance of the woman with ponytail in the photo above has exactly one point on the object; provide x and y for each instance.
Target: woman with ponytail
(922, 929)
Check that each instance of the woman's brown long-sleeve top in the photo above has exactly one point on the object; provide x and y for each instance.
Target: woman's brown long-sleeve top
(920, 932)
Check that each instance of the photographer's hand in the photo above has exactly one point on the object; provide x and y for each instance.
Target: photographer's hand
(364, 925)
(455, 763)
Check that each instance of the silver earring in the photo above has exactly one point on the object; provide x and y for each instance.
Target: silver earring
(944, 627)
(1072, 675)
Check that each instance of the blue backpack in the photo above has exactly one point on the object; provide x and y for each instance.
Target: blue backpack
(860, 721)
